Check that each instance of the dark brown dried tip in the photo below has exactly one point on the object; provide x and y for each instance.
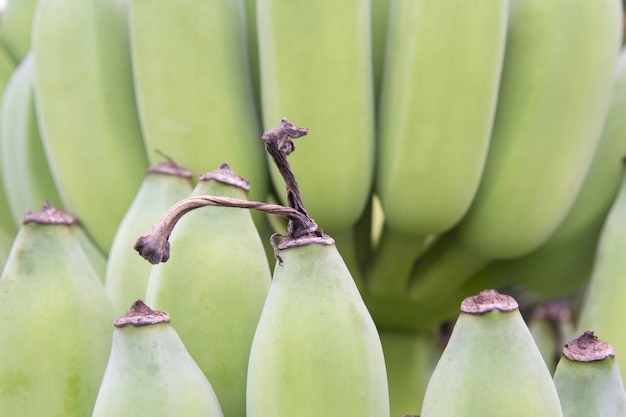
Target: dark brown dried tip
(225, 175)
(488, 300)
(170, 168)
(49, 215)
(588, 348)
(153, 248)
(140, 314)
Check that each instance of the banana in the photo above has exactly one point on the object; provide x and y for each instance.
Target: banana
(150, 373)
(201, 60)
(380, 26)
(551, 325)
(316, 67)
(316, 350)
(437, 105)
(8, 229)
(604, 300)
(126, 274)
(26, 175)
(55, 333)
(253, 51)
(408, 362)
(25, 171)
(554, 96)
(588, 379)
(86, 108)
(562, 265)
(17, 19)
(217, 280)
(491, 365)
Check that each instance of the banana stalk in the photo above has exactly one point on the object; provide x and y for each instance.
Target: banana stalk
(150, 373)
(491, 365)
(55, 320)
(554, 96)
(86, 106)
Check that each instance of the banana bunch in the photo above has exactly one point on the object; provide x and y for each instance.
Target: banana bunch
(450, 148)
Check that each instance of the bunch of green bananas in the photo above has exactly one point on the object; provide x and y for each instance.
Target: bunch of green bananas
(451, 147)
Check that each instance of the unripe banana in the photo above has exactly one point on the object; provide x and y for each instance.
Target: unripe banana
(150, 373)
(604, 303)
(17, 18)
(553, 100)
(25, 171)
(409, 358)
(86, 107)
(380, 25)
(551, 325)
(563, 264)
(437, 104)
(316, 68)
(217, 279)
(491, 366)
(55, 322)
(127, 274)
(8, 229)
(195, 52)
(316, 351)
(26, 175)
(588, 379)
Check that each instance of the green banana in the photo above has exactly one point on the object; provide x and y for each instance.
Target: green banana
(562, 265)
(588, 380)
(380, 26)
(55, 317)
(25, 171)
(438, 100)
(8, 229)
(551, 325)
(217, 280)
(86, 107)
(127, 275)
(17, 19)
(26, 175)
(316, 350)
(201, 60)
(316, 67)
(491, 365)
(150, 373)
(605, 297)
(554, 97)
(408, 362)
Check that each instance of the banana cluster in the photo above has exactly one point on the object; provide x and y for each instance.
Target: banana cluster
(450, 147)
